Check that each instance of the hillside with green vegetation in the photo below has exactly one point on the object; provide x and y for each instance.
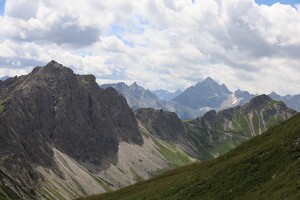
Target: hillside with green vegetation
(218, 132)
(265, 167)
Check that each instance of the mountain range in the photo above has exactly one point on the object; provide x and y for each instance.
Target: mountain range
(293, 101)
(63, 137)
(194, 101)
(165, 95)
(137, 96)
(191, 103)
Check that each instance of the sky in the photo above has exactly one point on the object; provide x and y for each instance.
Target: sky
(160, 44)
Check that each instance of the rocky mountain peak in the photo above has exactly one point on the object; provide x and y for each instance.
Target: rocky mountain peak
(134, 85)
(54, 108)
(209, 80)
(207, 93)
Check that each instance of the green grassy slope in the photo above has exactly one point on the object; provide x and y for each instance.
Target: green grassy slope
(218, 132)
(265, 167)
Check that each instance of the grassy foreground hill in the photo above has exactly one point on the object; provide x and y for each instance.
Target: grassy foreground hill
(265, 167)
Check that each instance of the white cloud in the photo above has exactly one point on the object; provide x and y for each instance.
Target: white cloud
(158, 43)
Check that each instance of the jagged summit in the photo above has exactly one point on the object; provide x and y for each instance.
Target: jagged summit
(134, 84)
(54, 108)
(207, 93)
(209, 80)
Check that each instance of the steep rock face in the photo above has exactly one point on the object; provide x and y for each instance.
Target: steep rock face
(137, 96)
(162, 124)
(217, 132)
(53, 107)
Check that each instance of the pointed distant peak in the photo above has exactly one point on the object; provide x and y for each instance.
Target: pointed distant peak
(134, 84)
(53, 62)
(136, 87)
(273, 93)
(209, 79)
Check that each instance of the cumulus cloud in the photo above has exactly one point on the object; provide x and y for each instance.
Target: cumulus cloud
(166, 44)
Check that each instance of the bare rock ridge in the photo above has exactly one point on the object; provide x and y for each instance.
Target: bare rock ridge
(163, 124)
(54, 108)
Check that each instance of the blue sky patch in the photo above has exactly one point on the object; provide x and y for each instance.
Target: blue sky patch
(271, 2)
(2, 6)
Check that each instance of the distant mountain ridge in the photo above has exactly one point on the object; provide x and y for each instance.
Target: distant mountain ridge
(243, 96)
(166, 95)
(4, 78)
(137, 96)
(293, 101)
(196, 100)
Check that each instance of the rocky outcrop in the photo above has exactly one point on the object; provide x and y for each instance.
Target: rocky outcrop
(54, 108)
(162, 124)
